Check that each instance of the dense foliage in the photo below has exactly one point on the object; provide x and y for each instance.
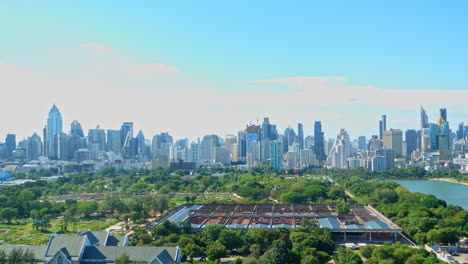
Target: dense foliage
(421, 216)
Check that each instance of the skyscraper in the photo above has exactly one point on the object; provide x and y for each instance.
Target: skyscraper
(424, 119)
(242, 145)
(97, 139)
(10, 143)
(393, 139)
(300, 135)
(276, 155)
(126, 134)
(75, 128)
(382, 126)
(460, 132)
(33, 147)
(318, 141)
(54, 128)
(443, 114)
(411, 138)
(113, 141)
(362, 143)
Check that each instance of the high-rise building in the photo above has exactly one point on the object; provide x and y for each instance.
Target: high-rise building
(319, 141)
(300, 135)
(33, 147)
(309, 142)
(289, 138)
(411, 139)
(113, 141)
(276, 155)
(389, 156)
(443, 114)
(382, 126)
(268, 130)
(97, 139)
(424, 119)
(340, 151)
(126, 134)
(460, 131)
(62, 147)
(75, 142)
(242, 145)
(75, 128)
(221, 155)
(10, 144)
(393, 139)
(141, 142)
(54, 128)
(230, 139)
(362, 145)
(208, 143)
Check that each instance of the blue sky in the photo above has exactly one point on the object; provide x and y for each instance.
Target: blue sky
(221, 45)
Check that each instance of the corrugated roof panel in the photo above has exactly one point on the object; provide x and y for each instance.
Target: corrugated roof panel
(329, 222)
(355, 227)
(377, 225)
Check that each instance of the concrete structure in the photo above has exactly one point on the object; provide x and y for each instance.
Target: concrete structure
(393, 139)
(362, 223)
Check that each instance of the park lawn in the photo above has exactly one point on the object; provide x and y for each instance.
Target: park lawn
(22, 232)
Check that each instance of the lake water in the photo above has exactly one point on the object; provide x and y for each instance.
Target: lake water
(452, 193)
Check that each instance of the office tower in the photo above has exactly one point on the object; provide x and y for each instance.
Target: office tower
(378, 163)
(75, 128)
(242, 145)
(382, 126)
(10, 144)
(362, 145)
(113, 141)
(132, 149)
(443, 114)
(75, 142)
(276, 155)
(253, 134)
(255, 148)
(389, 156)
(268, 131)
(160, 140)
(126, 134)
(393, 139)
(230, 139)
(97, 139)
(221, 155)
(141, 142)
(181, 143)
(62, 146)
(319, 141)
(424, 119)
(265, 149)
(460, 134)
(411, 138)
(340, 151)
(308, 142)
(289, 137)
(432, 134)
(300, 135)
(192, 154)
(307, 158)
(208, 143)
(53, 129)
(33, 147)
(235, 152)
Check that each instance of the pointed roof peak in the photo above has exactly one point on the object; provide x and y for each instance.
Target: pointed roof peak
(54, 108)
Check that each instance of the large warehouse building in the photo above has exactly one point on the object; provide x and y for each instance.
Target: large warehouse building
(362, 223)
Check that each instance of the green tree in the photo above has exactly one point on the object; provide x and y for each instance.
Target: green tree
(230, 239)
(216, 251)
(347, 256)
(366, 251)
(122, 259)
(8, 213)
(193, 251)
(87, 207)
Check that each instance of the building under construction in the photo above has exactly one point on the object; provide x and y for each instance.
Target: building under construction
(362, 223)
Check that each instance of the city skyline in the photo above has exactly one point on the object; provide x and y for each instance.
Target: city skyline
(228, 65)
(67, 127)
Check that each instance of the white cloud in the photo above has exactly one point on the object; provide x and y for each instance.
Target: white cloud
(158, 98)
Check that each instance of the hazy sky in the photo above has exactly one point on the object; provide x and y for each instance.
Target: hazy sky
(198, 67)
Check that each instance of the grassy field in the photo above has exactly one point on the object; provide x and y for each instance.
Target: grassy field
(21, 232)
